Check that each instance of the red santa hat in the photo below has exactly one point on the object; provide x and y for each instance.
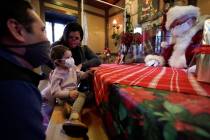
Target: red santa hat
(177, 12)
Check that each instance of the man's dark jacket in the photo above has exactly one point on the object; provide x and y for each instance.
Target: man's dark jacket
(20, 103)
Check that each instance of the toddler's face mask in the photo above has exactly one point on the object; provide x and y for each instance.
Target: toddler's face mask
(69, 62)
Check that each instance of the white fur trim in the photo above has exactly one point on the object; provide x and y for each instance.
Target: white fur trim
(177, 59)
(160, 59)
(177, 12)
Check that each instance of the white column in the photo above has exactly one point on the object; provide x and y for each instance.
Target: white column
(82, 13)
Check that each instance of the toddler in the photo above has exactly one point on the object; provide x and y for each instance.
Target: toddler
(63, 81)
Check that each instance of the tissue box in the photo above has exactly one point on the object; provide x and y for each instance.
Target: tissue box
(203, 64)
(206, 32)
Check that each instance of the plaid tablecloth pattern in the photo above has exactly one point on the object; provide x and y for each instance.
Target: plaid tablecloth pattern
(163, 78)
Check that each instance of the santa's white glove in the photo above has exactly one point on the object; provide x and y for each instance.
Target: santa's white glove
(153, 63)
(191, 69)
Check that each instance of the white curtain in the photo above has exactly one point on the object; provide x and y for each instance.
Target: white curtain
(85, 29)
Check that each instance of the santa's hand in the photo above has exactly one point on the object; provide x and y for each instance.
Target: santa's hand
(154, 63)
(154, 60)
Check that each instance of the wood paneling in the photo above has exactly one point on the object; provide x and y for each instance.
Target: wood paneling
(90, 117)
(99, 4)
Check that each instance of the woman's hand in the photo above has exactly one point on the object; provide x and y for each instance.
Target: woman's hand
(86, 74)
(73, 94)
(78, 68)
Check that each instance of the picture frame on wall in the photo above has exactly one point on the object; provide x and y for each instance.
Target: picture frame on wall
(181, 2)
(148, 10)
(192, 2)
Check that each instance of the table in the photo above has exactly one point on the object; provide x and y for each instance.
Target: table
(152, 103)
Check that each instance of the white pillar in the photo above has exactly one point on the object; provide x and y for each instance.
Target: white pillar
(124, 26)
(82, 13)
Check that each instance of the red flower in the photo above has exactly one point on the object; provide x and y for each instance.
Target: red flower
(126, 38)
(181, 126)
(193, 103)
(138, 95)
(137, 38)
(204, 49)
(107, 52)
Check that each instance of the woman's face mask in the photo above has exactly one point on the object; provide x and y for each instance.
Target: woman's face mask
(181, 29)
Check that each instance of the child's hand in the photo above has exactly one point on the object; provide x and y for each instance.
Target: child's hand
(73, 94)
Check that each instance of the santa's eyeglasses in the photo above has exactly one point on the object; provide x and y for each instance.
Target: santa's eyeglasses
(181, 20)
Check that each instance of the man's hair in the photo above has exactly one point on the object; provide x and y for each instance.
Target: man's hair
(57, 52)
(72, 27)
(15, 9)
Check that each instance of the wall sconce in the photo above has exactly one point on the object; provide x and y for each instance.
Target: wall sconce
(115, 26)
(115, 34)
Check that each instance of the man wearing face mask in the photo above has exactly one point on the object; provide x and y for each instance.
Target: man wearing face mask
(23, 47)
(186, 27)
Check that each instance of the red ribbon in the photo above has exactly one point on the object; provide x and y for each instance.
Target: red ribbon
(204, 49)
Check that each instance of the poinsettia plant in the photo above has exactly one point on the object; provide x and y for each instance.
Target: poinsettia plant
(127, 40)
(137, 38)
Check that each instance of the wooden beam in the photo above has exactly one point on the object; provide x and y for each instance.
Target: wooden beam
(73, 8)
(93, 13)
(42, 10)
(62, 5)
(116, 13)
(192, 2)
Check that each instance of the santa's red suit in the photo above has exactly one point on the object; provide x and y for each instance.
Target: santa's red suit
(180, 53)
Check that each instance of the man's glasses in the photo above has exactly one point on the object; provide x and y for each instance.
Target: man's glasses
(74, 38)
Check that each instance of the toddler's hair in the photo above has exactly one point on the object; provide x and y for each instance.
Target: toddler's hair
(57, 52)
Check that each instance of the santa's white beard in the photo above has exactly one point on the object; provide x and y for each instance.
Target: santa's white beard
(177, 59)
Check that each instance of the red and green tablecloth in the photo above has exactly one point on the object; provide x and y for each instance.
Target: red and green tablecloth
(152, 103)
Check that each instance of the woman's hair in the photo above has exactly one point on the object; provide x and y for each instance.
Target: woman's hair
(57, 52)
(72, 27)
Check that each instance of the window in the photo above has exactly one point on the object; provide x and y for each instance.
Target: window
(54, 31)
(49, 31)
(55, 23)
(58, 31)
(138, 30)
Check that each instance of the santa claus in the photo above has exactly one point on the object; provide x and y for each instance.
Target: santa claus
(186, 26)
